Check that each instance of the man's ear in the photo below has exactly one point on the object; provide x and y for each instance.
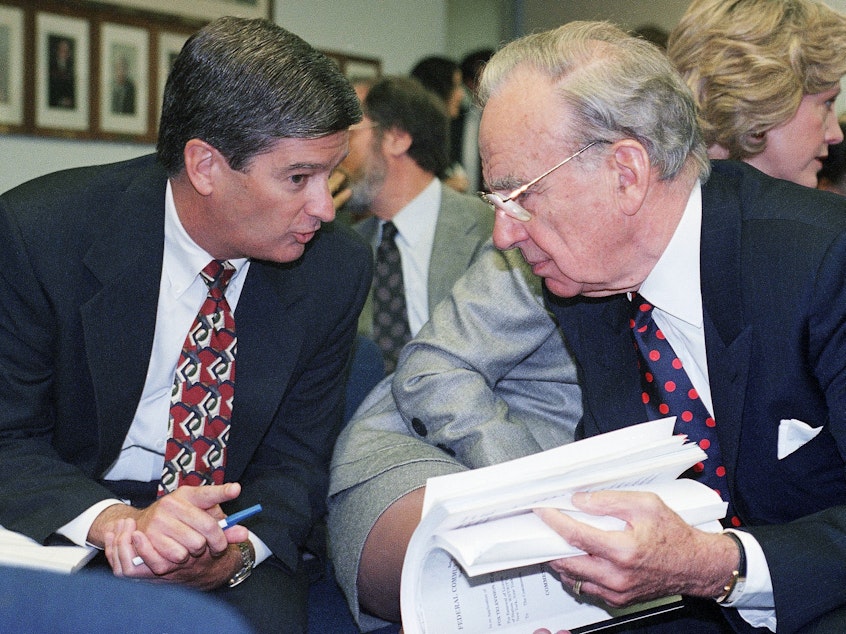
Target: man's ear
(201, 164)
(633, 171)
(396, 141)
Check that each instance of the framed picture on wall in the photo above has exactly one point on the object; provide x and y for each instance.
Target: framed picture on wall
(124, 85)
(169, 46)
(62, 72)
(11, 66)
(356, 66)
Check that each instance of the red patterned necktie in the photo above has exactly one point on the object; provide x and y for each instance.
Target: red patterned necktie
(667, 391)
(203, 391)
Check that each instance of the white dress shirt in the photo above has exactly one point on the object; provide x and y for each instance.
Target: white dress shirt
(673, 288)
(181, 294)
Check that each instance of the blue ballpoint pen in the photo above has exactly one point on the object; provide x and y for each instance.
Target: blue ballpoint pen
(226, 522)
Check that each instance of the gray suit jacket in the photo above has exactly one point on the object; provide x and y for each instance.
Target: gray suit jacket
(464, 223)
(477, 401)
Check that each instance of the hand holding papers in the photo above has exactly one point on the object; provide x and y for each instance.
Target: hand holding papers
(483, 519)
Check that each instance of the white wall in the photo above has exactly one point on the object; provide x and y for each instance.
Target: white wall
(24, 157)
(399, 32)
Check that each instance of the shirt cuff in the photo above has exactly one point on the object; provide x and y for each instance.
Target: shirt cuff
(77, 529)
(262, 551)
(755, 603)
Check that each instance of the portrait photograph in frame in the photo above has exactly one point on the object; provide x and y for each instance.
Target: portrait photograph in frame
(169, 46)
(62, 72)
(124, 84)
(11, 66)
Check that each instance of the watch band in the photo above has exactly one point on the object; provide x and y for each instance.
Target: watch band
(247, 563)
(734, 588)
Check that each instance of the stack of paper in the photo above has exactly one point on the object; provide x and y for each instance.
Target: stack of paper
(483, 520)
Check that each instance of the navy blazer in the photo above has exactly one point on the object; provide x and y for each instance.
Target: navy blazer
(79, 282)
(773, 270)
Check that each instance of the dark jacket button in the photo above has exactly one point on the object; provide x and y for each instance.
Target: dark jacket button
(418, 426)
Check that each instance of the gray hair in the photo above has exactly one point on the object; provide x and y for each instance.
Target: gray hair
(617, 86)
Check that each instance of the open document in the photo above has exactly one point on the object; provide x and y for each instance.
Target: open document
(21, 551)
(476, 561)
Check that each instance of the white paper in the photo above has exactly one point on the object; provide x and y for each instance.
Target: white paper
(485, 517)
(20, 551)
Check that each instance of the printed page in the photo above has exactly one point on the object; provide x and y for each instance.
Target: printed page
(514, 602)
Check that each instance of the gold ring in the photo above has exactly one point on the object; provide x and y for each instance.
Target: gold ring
(577, 587)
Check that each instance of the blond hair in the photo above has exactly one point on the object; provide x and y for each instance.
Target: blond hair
(750, 62)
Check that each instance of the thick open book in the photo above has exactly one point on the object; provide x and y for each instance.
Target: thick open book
(476, 561)
(21, 551)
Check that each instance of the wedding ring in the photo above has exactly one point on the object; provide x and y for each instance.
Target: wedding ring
(577, 587)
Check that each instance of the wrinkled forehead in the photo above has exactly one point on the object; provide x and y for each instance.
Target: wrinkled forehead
(523, 122)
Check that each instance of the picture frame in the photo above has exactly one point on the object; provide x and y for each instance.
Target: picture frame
(62, 72)
(203, 9)
(124, 85)
(169, 45)
(356, 66)
(85, 39)
(11, 66)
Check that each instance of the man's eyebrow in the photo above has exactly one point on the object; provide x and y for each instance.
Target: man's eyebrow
(305, 166)
(505, 183)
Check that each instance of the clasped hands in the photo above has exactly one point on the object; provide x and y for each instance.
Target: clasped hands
(178, 537)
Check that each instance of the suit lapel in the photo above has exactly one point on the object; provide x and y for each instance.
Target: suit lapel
(270, 319)
(598, 334)
(367, 229)
(451, 231)
(727, 339)
(119, 321)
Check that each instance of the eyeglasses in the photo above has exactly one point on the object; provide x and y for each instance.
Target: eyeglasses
(508, 204)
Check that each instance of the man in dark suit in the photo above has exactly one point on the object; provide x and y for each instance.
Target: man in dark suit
(745, 277)
(100, 283)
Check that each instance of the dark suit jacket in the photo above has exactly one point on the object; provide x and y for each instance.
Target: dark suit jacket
(79, 280)
(773, 269)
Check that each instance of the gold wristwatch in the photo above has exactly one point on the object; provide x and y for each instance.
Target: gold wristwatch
(247, 563)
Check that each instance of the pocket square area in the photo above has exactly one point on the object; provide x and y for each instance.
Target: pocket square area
(792, 434)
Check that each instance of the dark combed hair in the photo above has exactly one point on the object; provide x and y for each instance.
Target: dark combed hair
(437, 74)
(405, 104)
(241, 85)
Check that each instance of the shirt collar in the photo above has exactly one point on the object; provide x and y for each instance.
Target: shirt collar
(418, 217)
(673, 285)
(183, 258)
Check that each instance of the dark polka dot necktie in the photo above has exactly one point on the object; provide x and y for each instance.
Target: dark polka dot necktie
(390, 317)
(667, 391)
(203, 391)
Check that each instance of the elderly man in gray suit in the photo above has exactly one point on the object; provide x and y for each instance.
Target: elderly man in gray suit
(522, 396)
(397, 154)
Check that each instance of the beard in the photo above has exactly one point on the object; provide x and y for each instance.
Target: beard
(368, 185)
